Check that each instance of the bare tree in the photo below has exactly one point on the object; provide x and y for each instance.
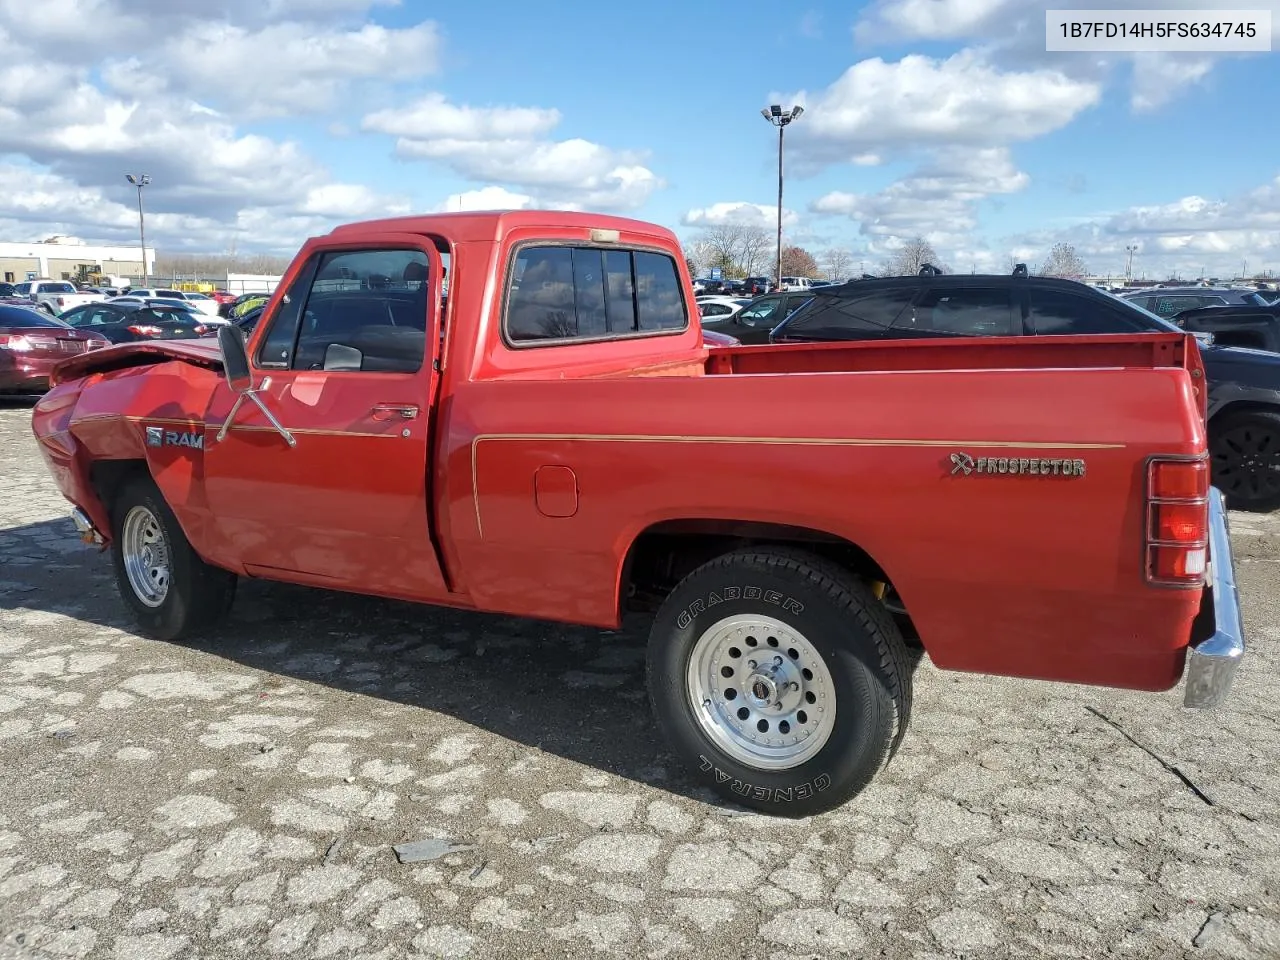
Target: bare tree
(837, 262)
(908, 260)
(798, 262)
(1065, 262)
(737, 249)
(755, 247)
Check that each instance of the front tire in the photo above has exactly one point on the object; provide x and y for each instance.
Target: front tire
(779, 680)
(1245, 453)
(171, 591)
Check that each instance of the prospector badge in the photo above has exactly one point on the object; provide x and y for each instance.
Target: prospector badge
(965, 464)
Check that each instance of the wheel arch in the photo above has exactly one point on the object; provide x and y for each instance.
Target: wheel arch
(1235, 408)
(663, 553)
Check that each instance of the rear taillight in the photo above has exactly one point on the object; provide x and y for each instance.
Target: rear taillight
(145, 330)
(1177, 535)
(14, 341)
(201, 329)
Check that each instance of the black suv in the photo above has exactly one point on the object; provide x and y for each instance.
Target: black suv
(1244, 385)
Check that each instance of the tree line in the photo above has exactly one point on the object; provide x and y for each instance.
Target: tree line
(214, 266)
(741, 250)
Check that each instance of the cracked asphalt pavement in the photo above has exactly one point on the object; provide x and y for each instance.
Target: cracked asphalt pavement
(242, 796)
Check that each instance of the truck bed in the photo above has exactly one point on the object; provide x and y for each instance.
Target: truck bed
(990, 353)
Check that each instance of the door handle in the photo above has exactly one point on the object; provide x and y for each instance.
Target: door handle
(386, 411)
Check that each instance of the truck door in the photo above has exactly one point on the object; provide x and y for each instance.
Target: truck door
(346, 361)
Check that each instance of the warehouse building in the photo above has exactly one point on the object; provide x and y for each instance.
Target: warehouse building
(69, 258)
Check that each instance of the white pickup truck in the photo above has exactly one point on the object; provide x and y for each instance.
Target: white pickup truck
(55, 296)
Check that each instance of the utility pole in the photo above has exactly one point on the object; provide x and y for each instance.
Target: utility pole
(780, 118)
(140, 180)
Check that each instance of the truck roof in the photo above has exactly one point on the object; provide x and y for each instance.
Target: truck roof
(482, 225)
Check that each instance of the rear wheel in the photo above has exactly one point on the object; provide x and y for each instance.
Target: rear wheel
(171, 591)
(779, 680)
(1245, 452)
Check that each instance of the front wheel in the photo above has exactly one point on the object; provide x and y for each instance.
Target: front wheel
(172, 592)
(779, 680)
(1245, 452)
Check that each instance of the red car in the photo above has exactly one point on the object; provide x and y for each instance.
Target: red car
(31, 342)
(558, 442)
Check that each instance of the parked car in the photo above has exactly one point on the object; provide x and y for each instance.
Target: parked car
(1240, 325)
(1169, 302)
(720, 309)
(794, 284)
(31, 342)
(1035, 508)
(199, 301)
(755, 286)
(198, 313)
(127, 322)
(713, 339)
(242, 304)
(1243, 409)
(753, 322)
(54, 296)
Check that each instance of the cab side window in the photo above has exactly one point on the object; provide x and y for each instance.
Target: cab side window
(353, 310)
(560, 293)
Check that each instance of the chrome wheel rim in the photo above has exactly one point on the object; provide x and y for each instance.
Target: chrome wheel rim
(761, 692)
(146, 556)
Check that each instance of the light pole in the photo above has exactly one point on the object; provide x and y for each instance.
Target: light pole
(140, 180)
(1131, 249)
(780, 118)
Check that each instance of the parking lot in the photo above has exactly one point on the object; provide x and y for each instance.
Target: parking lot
(242, 796)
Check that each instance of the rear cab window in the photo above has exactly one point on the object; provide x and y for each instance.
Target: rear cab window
(579, 293)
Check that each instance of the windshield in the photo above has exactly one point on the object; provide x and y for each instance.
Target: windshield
(1159, 321)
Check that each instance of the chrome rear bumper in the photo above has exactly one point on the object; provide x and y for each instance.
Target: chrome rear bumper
(1212, 660)
(84, 527)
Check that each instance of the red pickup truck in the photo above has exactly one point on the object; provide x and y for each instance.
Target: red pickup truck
(553, 439)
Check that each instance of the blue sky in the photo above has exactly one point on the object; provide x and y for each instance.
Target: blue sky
(264, 122)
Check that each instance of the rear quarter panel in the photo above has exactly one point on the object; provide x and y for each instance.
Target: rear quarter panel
(1027, 575)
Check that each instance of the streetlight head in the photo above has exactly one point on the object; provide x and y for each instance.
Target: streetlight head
(775, 110)
(131, 178)
(766, 114)
(796, 111)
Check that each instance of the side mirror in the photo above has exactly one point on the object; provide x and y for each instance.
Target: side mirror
(235, 358)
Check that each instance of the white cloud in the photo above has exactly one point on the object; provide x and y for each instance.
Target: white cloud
(486, 198)
(1158, 78)
(1012, 33)
(432, 117)
(929, 19)
(73, 135)
(741, 213)
(279, 70)
(508, 145)
(878, 107)
(938, 201)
